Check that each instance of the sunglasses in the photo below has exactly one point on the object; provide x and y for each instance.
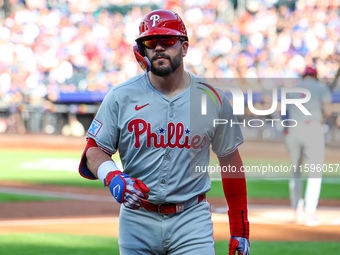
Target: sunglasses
(165, 42)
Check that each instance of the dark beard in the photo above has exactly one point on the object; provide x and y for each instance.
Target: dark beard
(166, 71)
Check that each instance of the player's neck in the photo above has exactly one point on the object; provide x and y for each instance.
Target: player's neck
(171, 85)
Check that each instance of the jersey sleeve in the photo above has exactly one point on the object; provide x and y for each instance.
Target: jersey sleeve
(103, 132)
(228, 137)
(104, 127)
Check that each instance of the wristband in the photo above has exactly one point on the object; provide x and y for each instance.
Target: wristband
(105, 168)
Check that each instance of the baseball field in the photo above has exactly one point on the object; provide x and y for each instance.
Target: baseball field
(47, 208)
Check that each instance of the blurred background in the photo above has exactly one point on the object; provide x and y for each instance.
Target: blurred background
(58, 58)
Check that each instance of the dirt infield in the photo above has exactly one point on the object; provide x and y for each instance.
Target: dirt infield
(93, 211)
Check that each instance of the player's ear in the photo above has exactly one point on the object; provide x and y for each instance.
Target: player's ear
(185, 46)
(142, 60)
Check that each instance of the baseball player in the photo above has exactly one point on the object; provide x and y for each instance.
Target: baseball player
(307, 140)
(150, 121)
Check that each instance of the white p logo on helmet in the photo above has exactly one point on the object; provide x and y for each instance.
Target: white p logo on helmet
(154, 18)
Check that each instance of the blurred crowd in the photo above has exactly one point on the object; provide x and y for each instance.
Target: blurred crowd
(47, 47)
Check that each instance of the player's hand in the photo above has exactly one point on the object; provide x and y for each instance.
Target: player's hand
(239, 244)
(127, 190)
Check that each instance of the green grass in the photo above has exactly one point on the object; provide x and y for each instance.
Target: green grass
(5, 197)
(256, 189)
(278, 188)
(56, 244)
(43, 167)
(67, 244)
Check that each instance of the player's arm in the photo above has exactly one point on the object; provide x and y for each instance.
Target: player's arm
(327, 110)
(95, 157)
(96, 163)
(234, 187)
(326, 98)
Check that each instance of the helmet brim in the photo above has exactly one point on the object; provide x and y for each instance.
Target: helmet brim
(159, 32)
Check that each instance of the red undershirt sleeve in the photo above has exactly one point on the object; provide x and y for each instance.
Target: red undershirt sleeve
(83, 169)
(235, 191)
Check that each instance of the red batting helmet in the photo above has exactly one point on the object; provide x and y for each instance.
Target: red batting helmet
(161, 22)
(310, 71)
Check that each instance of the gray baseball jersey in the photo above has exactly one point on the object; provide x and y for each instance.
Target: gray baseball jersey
(161, 140)
(320, 94)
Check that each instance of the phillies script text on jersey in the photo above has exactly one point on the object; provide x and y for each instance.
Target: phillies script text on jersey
(174, 132)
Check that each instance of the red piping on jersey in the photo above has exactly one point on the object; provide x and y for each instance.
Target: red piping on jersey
(232, 150)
